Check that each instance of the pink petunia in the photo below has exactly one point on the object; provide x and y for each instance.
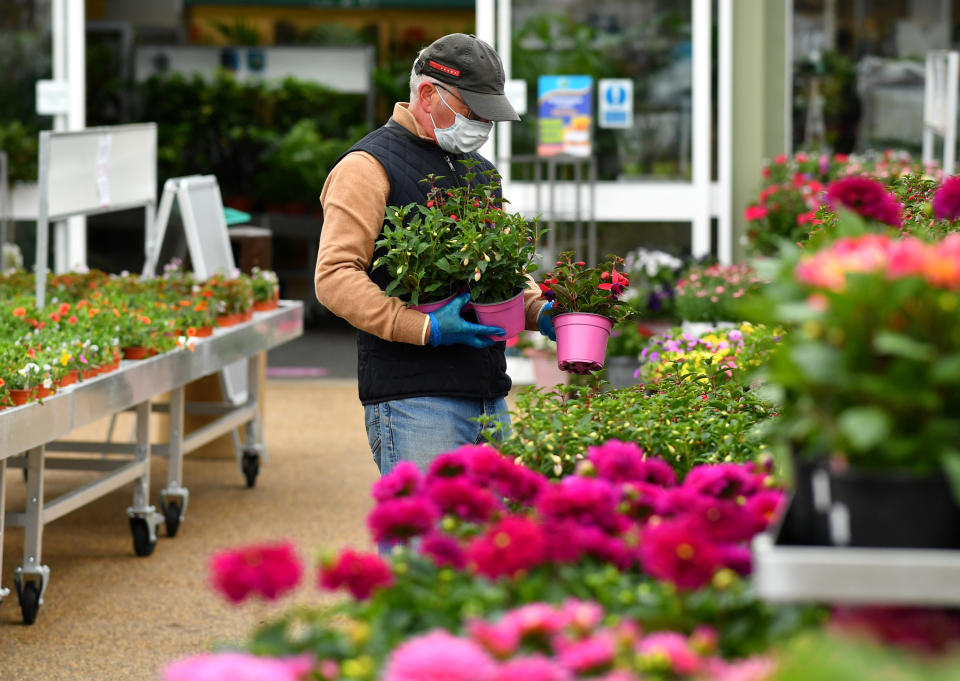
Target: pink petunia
(360, 573)
(532, 668)
(239, 667)
(399, 520)
(590, 655)
(268, 570)
(675, 648)
(439, 656)
(403, 481)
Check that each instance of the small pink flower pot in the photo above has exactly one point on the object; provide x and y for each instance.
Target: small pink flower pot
(508, 315)
(581, 341)
(427, 308)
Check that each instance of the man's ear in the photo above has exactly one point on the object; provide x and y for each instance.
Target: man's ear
(426, 101)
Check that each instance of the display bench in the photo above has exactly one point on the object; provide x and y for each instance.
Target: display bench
(29, 432)
(789, 570)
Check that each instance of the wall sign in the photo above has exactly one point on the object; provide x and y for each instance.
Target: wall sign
(565, 108)
(615, 103)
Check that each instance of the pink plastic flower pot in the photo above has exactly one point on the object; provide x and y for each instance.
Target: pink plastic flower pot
(508, 315)
(427, 308)
(581, 341)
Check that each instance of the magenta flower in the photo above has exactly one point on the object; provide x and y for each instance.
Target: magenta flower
(722, 480)
(450, 464)
(867, 197)
(582, 616)
(684, 661)
(641, 500)
(514, 544)
(618, 461)
(764, 507)
(268, 570)
(532, 668)
(462, 498)
(737, 558)
(719, 519)
(439, 656)
(595, 543)
(946, 201)
(444, 550)
(403, 481)
(590, 655)
(239, 667)
(492, 470)
(359, 573)
(586, 501)
(677, 551)
(501, 639)
(535, 622)
(398, 520)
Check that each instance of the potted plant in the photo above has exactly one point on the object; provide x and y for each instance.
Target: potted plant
(266, 289)
(871, 384)
(653, 281)
(587, 303)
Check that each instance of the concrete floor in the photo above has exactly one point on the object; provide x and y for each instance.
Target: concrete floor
(113, 616)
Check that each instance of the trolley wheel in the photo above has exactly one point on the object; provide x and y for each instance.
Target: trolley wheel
(251, 468)
(171, 517)
(29, 602)
(142, 545)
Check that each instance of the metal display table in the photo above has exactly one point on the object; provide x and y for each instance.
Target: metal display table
(27, 433)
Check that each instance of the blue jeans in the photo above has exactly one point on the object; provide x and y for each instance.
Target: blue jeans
(418, 429)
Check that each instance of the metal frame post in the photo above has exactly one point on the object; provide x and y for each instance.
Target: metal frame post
(31, 569)
(3, 505)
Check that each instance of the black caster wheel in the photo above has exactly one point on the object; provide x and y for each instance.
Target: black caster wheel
(251, 468)
(142, 545)
(29, 602)
(171, 517)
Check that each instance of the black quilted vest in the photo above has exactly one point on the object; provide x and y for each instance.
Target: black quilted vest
(392, 371)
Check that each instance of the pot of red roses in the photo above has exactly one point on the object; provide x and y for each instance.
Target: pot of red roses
(587, 302)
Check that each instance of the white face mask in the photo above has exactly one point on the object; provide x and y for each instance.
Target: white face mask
(464, 135)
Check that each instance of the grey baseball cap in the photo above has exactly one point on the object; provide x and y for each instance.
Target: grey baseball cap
(474, 68)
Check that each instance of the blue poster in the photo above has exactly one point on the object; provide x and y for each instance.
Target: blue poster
(565, 109)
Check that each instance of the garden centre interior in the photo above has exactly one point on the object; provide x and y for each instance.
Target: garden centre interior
(750, 472)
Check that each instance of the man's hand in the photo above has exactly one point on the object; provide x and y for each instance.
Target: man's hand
(545, 322)
(447, 327)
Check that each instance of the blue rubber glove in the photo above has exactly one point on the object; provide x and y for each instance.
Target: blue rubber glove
(447, 327)
(545, 322)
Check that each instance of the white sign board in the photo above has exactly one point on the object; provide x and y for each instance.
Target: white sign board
(615, 106)
(52, 97)
(516, 92)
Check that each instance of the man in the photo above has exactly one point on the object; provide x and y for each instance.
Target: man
(422, 377)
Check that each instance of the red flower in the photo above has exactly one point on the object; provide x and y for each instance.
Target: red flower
(64, 308)
(360, 573)
(269, 570)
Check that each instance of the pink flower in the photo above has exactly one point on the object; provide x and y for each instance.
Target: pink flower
(750, 669)
(719, 520)
(867, 197)
(439, 656)
(360, 573)
(450, 464)
(618, 461)
(397, 520)
(906, 257)
(641, 500)
(737, 558)
(532, 668)
(514, 544)
(595, 543)
(722, 480)
(586, 501)
(946, 201)
(238, 667)
(501, 639)
(582, 616)
(535, 622)
(269, 570)
(764, 507)
(403, 481)
(462, 498)
(675, 648)
(755, 213)
(676, 551)
(589, 655)
(444, 550)
(489, 468)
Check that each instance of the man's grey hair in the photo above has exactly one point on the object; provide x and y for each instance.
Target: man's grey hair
(416, 79)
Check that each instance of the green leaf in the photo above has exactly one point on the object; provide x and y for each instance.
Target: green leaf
(899, 345)
(951, 468)
(864, 427)
(946, 370)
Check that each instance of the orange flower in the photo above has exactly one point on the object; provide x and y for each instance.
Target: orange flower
(144, 319)
(191, 331)
(184, 303)
(19, 311)
(82, 304)
(116, 313)
(2, 383)
(64, 308)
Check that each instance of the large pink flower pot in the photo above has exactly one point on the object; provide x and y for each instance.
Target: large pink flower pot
(508, 315)
(427, 308)
(581, 341)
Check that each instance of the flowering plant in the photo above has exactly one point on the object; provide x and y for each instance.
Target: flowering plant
(713, 293)
(870, 370)
(266, 285)
(460, 238)
(574, 287)
(654, 276)
(687, 419)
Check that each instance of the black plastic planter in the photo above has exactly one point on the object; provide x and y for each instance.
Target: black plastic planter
(892, 509)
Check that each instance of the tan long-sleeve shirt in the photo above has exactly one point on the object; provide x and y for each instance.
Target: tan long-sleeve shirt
(354, 200)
